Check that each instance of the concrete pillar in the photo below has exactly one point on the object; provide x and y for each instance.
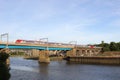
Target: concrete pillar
(91, 53)
(88, 52)
(80, 52)
(77, 52)
(44, 56)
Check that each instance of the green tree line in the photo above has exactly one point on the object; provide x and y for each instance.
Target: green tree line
(112, 46)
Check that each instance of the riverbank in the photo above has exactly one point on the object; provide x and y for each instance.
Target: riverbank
(110, 53)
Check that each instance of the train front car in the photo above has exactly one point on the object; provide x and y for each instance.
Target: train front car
(18, 41)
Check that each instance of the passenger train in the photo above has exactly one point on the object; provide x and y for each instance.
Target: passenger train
(20, 41)
(26, 41)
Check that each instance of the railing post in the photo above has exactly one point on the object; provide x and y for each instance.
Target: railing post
(5, 34)
(46, 41)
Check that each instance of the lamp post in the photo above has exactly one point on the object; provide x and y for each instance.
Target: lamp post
(46, 41)
(7, 35)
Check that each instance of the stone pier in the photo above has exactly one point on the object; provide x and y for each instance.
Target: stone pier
(44, 56)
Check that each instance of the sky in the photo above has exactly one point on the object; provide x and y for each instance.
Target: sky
(84, 21)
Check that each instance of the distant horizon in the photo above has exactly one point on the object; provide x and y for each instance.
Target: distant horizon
(84, 21)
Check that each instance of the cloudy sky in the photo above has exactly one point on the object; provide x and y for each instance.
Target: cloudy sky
(84, 21)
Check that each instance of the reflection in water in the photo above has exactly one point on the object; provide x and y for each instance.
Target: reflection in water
(4, 72)
(43, 68)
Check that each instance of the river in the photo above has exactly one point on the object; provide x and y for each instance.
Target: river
(22, 69)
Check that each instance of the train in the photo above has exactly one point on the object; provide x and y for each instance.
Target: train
(21, 41)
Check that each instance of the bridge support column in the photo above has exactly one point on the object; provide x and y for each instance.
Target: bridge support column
(44, 56)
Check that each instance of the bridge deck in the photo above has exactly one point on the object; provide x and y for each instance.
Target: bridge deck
(36, 46)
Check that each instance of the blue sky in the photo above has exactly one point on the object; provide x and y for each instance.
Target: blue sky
(84, 21)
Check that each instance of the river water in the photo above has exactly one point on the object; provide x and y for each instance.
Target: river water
(22, 69)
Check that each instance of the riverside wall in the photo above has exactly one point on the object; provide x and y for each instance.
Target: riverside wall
(95, 60)
(93, 56)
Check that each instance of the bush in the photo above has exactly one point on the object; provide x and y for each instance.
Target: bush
(3, 56)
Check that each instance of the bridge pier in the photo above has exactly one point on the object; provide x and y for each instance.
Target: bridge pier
(44, 56)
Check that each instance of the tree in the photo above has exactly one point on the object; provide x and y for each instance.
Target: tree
(105, 46)
(113, 46)
(118, 45)
(3, 56)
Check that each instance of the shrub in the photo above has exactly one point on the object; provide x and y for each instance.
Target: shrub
(3, 56)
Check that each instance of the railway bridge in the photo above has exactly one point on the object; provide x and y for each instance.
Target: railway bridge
(43, 50)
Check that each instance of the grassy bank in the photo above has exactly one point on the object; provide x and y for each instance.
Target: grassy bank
(109, 53)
